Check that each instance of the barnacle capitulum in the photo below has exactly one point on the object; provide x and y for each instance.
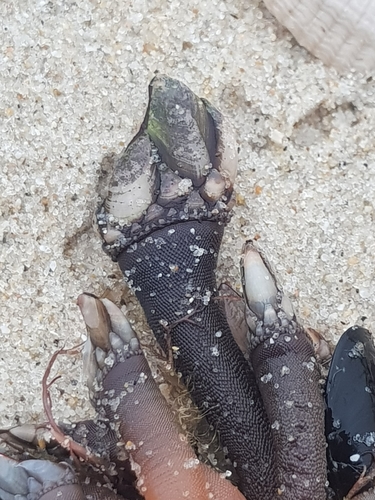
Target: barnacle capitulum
(180, 166)
(226, 156)
(350, 411)
(24, 436)
(96, 319)
(172, 187)
(106, 326)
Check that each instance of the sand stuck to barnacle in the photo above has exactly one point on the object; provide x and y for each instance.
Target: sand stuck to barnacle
(73, 82)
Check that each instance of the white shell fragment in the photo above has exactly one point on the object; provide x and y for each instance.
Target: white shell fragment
(339, 32)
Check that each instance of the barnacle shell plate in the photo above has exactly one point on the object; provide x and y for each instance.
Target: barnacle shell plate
(339, 32)
(132, 186)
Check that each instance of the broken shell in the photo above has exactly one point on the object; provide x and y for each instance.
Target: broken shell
(133, 182)
(154, 212)
(111, 235)
(339, 32)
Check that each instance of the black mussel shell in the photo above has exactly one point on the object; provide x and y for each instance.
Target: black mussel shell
(350, 410)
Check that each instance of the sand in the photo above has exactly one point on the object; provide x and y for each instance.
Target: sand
(73, 83)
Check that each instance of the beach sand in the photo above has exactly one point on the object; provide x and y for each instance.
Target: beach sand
(73, 86)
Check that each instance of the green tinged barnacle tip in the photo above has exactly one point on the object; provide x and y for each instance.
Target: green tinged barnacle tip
(181, 127)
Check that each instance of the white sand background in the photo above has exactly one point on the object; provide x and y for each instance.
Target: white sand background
(73, 87)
